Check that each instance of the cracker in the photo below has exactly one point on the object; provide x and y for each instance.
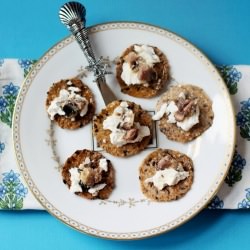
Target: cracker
(171, 130)
(76, 159)
(138, 90)
(103, 135)
(168, 193)
(64, 121)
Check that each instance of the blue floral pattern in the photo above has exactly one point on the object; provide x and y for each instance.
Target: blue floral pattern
(2, 191)
(216, 203)
(2, 147)
(3, 104)
(7, 102)
(10, 89)
(243, 119)
(26, 65)
(231, 77)
(235, 172)
(245, 202)
(12, 191)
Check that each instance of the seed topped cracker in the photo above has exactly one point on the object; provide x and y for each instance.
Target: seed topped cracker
(89, 174)
(123, 128)
(142, 71)
(184, 112)
(166, 175)
(70, 103)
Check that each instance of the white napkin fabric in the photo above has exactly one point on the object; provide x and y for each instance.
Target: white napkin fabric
(234, 193)
(14, 193)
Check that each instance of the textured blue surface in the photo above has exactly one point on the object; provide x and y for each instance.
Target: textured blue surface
(218, 27)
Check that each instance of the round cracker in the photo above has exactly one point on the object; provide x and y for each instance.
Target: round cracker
(76, 159)
(171, 130)
(80, 121)
(168, 193)
(103, 135)
(138, 90)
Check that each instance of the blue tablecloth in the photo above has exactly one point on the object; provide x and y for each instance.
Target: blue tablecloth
(219, 28)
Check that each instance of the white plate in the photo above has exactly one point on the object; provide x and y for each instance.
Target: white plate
(127, 214)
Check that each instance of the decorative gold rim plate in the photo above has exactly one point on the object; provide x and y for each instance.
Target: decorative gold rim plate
(127, 214)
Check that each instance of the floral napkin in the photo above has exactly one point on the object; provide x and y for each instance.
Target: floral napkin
(234, 193)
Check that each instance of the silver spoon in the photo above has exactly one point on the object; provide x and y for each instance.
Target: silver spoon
(72, 14)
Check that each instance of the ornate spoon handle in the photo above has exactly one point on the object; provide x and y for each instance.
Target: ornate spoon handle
(72, 14)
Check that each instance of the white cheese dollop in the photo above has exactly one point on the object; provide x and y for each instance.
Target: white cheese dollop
(170, 109)
(190, 121)
(167, 177)
(150, 58)
(103, 164)
(128, 75)
(75, 178)
(117, 135)
(147, 53)
(121, 115)
(86, 162)
(66, 95)
(73, 89)
(95, 189)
